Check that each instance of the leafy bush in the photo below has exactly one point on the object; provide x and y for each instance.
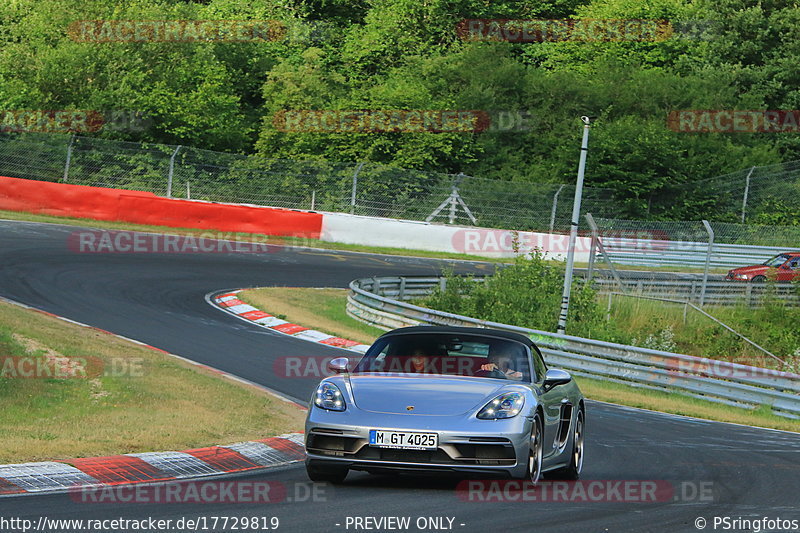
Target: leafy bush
(526, 293)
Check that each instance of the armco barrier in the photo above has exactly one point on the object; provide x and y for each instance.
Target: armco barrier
(717, 292)
(718, 381)
(658, 253)
(100, 203)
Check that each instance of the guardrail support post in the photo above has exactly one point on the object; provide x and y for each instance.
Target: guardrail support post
(710, 231)
(401, 293)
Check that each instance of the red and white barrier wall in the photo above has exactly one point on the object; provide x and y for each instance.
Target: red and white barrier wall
(100, 203)
(374, 231)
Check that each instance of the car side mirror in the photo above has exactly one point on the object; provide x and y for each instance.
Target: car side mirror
(338, 365)
(555, 377)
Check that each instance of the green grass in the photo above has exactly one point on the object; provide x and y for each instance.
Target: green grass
(152, 402)
(323, 310)
(660, 325)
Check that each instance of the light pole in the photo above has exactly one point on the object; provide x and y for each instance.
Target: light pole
(573, 229)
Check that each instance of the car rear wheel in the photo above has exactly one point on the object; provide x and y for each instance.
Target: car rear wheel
(535, 451)
(333, 475)
(573, 470)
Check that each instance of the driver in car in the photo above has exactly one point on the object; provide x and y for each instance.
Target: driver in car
(503, 363)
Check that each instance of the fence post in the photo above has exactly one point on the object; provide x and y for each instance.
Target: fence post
(69, 158)
(573, 229)
(602, 249)
(171, 171)
(313, 198)
(355, 187)
(746, 192)
(553, 211)
(708, 261)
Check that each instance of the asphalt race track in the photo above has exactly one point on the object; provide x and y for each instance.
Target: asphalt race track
(714, 470)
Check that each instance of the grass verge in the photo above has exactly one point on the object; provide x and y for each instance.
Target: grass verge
(141, 400)
(323, 309)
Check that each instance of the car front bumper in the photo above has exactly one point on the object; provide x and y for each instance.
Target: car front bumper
(466, 444)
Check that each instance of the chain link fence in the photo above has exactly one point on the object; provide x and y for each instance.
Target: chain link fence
(358, 188)
(385, 191)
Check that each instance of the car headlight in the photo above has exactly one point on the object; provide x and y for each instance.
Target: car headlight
(328, 396)
(507, 405)
(741, 276)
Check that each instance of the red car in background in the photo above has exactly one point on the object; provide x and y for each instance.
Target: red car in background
(782, 267)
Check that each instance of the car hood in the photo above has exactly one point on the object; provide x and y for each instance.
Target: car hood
(428, 395)
(754, 269)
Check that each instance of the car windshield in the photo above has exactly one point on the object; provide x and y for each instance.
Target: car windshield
(449, 354)
(776, 261)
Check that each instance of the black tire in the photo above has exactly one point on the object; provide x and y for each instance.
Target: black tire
(535, 451)
(333, 475)
(573, 470)
(759, 279)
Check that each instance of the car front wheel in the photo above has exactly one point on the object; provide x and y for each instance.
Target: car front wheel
(535, 451)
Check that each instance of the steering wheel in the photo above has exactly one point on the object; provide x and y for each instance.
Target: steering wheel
(494, 373)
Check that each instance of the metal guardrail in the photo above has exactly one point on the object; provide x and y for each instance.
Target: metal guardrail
(379, 301)
(686, 253)
(716, 292)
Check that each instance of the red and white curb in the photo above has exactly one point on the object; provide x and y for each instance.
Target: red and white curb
(151, 467)
(230, 303)
(59, 476)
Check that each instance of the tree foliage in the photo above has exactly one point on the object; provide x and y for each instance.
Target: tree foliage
(406, 54)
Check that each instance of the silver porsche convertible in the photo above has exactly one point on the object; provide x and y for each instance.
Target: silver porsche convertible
(470, 400)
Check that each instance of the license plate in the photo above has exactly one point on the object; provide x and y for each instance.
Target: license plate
(403, 440)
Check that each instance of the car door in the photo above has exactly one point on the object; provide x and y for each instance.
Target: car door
(556, 407)
(789, 270)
